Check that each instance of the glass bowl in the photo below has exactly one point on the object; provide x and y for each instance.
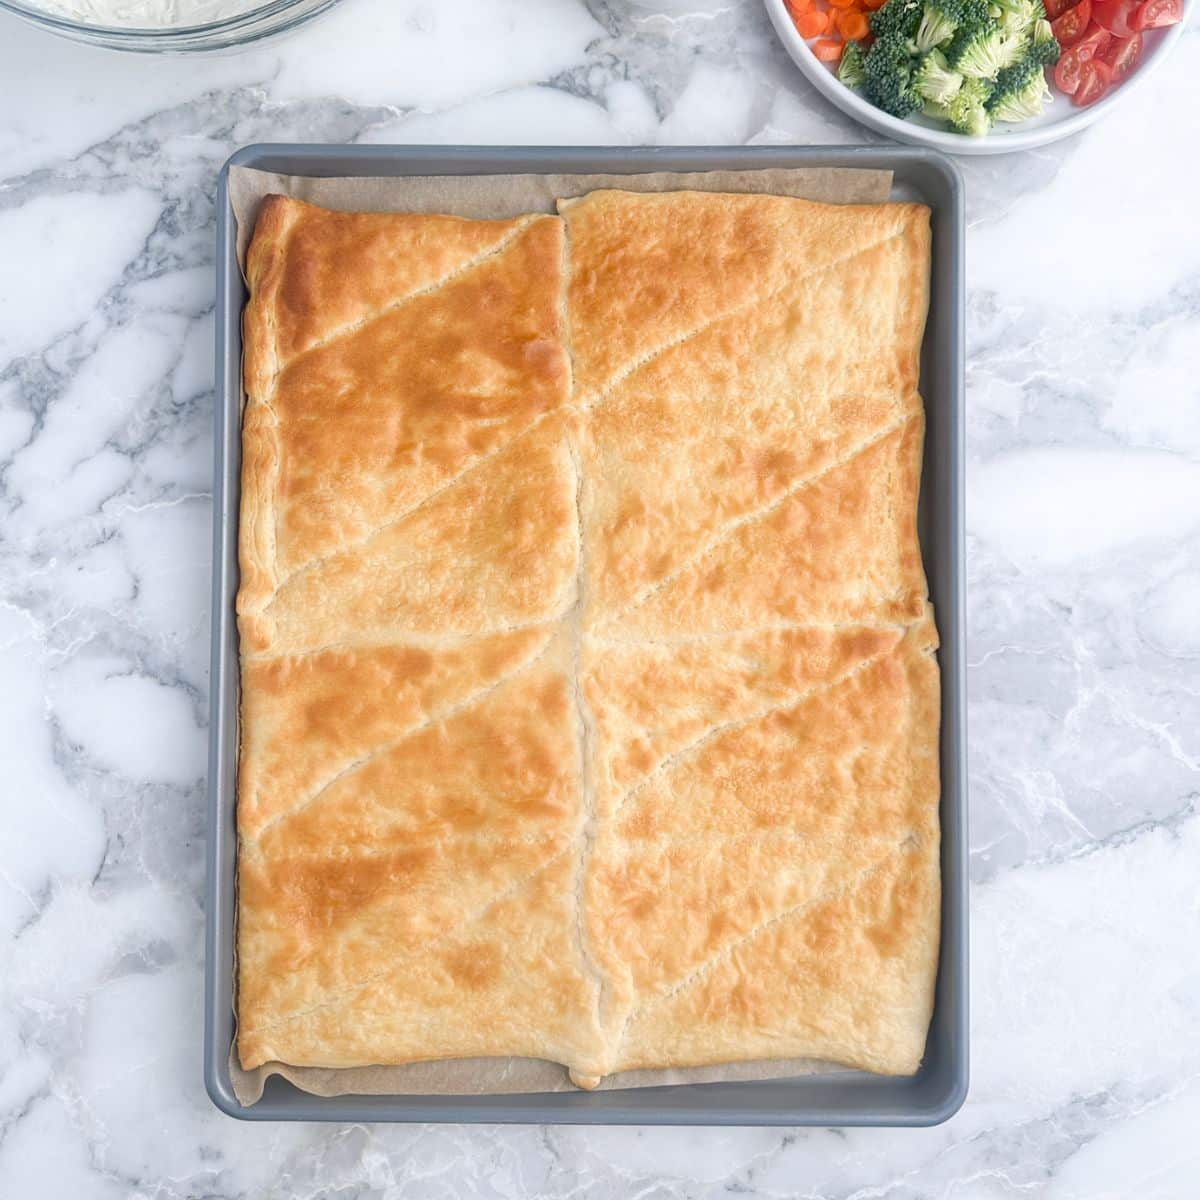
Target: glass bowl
(258, 21)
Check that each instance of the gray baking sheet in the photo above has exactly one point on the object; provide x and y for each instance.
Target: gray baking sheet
(485, 193)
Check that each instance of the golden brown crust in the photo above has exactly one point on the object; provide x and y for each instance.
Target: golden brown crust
(653, 702)
(496, 551)
(341, 704)
(847, 976)
(322, 273)
(838, 548)
(590, 716)
(378, 893)
(409, 776)
(648, 271)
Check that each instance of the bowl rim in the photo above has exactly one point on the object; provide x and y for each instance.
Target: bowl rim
(150, 33)
(1005, 142)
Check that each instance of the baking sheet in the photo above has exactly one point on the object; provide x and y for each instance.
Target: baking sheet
(465, 189)
(492, 196)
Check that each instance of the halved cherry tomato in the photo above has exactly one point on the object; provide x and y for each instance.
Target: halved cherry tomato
(1122, 55)
(1093, 43)
(1066, 72)
(828, 50)
(1155, 14)
(1056, 8)
(1094, 78)
(1072, 25)
(1115, 16)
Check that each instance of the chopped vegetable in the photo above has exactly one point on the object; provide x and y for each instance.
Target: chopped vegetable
(1043, 46)
(1073, 24)
(1121, 55)
(934, 80)
(852, 70)
(941, 18)
(983, 51)
(1020, 92)
(897, 21)
(1115, 16)
(1017, 16)
(1094, 78)
(889, 69)
(1155, 14)
(852, 25)
(812, 24)
(1066, 72)
(968, 110)
(827, 50)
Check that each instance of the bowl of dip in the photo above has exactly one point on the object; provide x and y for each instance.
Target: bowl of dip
(166, 26)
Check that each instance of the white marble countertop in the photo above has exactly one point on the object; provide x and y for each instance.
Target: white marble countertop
(1084, 520)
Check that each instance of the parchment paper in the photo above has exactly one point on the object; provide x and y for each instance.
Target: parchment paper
(491, 196)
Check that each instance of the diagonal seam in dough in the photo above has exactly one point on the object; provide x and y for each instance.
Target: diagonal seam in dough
(646, 359)
(462, 269)
(472, 918)
(731, 527)
(428, 498)
(715, 731)
(851, 885)
(448, 714)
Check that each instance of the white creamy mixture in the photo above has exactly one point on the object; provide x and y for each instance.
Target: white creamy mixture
(147, 14)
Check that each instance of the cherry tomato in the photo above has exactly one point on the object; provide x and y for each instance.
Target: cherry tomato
(1093, 43)
(1066, 72)
(1122, 55)
(1056, 8)
(1094, 78)
(1115, 16)
(1155, 14)
(1072, 25)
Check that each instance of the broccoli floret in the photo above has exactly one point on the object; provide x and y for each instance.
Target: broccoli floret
(968, 108)
(897, 22)
(889, 71)
(1012, 47)
(983, 51)
(1020, 92)
(852, 68)
(1015, 16)
(934, 81)
(942, 18)
(1043, 47)
(937, 24)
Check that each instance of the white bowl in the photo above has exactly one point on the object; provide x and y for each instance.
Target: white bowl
(1060, 120)
(258, 19)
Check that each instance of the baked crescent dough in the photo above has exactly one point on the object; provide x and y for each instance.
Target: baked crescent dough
(589, 699)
